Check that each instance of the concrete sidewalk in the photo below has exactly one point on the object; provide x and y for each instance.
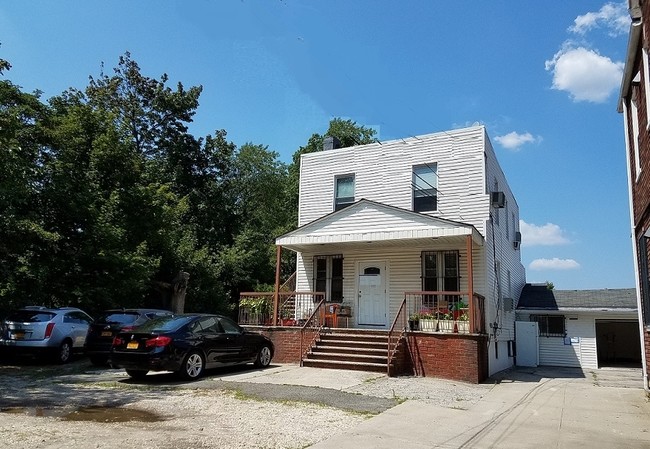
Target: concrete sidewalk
(568, 409)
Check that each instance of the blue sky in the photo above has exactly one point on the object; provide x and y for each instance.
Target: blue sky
(543, 77)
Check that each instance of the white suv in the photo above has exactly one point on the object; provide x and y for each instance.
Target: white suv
(58, 332)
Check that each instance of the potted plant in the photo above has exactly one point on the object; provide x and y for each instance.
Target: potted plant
(414, 321)
(428, 321)
(462, 323)
(459, 308)
(446, 322)
(259, 309)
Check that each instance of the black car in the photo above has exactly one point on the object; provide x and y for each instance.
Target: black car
(101, 333)
(188, 344)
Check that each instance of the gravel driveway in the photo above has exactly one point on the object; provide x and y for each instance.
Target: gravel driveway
(284, 406)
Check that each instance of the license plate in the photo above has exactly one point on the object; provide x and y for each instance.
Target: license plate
(18, 335)
(132, 345)
(107, 334)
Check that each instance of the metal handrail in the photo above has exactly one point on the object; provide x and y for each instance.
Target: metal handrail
(392, 350)
(319, 308)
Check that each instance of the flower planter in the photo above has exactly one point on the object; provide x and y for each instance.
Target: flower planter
(446, 326)
(463, 327)
(427, 325)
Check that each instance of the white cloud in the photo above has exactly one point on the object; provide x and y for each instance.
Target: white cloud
(553, 264)
(546, 235)
(513, 140)
(612, 16)
(584, 74)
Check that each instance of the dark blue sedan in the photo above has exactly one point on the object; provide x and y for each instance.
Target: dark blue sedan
(188, 344)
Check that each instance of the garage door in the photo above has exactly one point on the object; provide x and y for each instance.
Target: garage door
(618, 343)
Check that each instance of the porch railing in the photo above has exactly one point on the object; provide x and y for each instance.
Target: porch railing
(445, 311)
(396, 333)
(294, 309)
(312, 328)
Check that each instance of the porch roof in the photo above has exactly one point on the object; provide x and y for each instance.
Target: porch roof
(368, 222)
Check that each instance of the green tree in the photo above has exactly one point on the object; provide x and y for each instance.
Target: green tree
(257, 191)
(182, 175)
(24, 149)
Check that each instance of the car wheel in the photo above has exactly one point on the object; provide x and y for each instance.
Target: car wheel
(98, 360)
(263, 357)
(193, 366)
(64, 353)
(136, 373)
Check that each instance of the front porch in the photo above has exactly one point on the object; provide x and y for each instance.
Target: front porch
(458, 357)
(407, 276)
(307, 330)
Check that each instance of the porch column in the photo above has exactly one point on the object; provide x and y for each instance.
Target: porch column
(276, 293)
(470, 283)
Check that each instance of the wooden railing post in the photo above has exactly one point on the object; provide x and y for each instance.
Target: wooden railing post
(470, 285)
(276, 295)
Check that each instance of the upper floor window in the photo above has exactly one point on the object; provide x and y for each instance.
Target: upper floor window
(343, 191)
(425, 187)
(507, 222)
(646, 85)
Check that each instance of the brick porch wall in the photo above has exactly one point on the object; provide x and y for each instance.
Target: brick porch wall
(447, 356)
(286, 341)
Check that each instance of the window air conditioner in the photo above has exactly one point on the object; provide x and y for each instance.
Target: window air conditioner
(517, 241)
(498, 199)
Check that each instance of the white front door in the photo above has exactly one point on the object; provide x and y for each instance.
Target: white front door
(372, 293)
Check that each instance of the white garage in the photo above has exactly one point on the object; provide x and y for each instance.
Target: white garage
(577, 328)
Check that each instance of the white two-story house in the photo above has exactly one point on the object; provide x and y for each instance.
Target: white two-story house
(426, 222)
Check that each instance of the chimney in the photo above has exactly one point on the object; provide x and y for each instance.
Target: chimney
(331, 143)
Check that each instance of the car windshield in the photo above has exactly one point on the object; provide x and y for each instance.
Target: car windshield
(165, 324)
(30, 316)
(118, 317)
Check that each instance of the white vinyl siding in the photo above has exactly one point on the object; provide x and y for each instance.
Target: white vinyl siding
(466, 168)
(384, 173)
(404, 270)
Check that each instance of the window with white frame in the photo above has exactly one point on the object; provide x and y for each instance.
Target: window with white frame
(496, 209)
(343, 191)
(440, 272)
(634, 113)
(328, 277)
(507, 222)
(646, 85)
(425, 187)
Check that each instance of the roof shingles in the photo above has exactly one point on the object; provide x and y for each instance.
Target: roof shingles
(538, 296)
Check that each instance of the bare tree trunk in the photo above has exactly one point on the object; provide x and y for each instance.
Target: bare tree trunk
(179, 288)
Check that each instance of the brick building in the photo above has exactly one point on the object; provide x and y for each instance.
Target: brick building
(633, 104)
